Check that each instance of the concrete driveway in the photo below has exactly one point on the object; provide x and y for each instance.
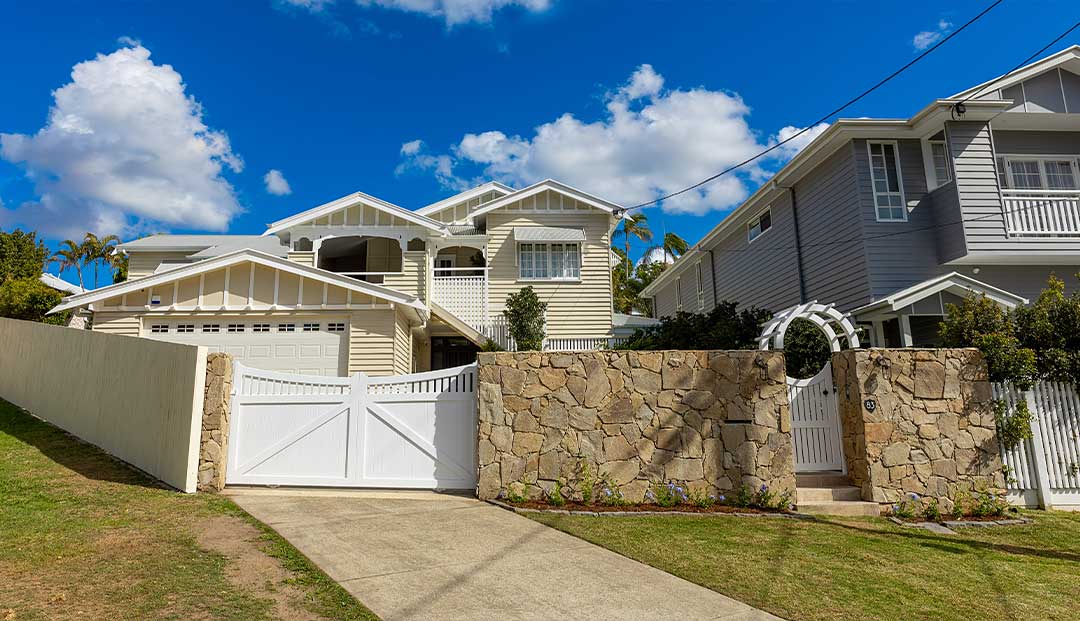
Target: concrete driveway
(422, 555)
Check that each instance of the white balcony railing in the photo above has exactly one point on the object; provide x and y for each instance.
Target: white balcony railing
(1042, 213)
(464, 296)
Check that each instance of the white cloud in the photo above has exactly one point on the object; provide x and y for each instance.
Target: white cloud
(124, 151)
(415, 157)
(927, 38)
(453, 12)
(649, 143)
(412, 147)
(276, 183)
(798, 143)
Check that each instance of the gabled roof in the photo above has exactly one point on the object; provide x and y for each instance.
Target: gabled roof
(1068, 58)
(480, 190)
(60, 284)
(952, 282)
(356, 198)
(181, 243)
(555, 186)
(244, 255)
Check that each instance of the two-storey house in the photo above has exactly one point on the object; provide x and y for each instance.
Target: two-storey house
(892, 219)
(360, 284)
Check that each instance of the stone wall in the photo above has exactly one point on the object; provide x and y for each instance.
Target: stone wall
(217, 401)
(712, 420)
(917, 421)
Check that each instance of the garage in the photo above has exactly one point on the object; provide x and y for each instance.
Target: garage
(306, 345)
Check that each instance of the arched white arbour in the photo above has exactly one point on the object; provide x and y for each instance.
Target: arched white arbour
(815, 419)
(834, 324)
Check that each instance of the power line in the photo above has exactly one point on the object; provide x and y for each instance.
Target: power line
(824, 118)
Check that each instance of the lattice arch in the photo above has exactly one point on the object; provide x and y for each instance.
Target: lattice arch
(834, 324)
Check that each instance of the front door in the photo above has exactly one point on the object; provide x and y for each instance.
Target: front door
(815, 423)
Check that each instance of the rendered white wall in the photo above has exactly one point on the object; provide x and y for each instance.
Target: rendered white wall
(139, 400)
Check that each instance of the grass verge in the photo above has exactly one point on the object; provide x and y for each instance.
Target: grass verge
(85, 535)
(858, 568)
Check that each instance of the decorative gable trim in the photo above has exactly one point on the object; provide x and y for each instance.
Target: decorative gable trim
(354, 199)
(554, 186)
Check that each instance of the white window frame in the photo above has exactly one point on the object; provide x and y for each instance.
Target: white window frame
(335, 326)
(899, 180)
(310, 327)
(549, 259)
(938, 181)
(211, 328)
(701, 288)
(185, 328)
(235, 328)
(159, 328)
(286, 327)
(261, 327)
(1008, 158)
(757, 220)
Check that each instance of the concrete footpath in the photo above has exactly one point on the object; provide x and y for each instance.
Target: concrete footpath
(422, 555)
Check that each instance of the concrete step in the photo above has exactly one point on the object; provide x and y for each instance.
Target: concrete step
(822, 494)
(821, 479)
(840, 507)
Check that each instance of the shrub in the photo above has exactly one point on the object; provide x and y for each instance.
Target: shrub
(1013, 427)
(29, 299)
(525, 314)
(979, 322)
(988, 504)
(668, 494)
(806, 349)
(907, 508)
(490, 345)
(932, 511)
(723, 327)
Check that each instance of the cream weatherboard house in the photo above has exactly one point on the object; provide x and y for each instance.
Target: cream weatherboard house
(360, 284)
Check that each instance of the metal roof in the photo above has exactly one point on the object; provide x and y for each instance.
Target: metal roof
(547, 234)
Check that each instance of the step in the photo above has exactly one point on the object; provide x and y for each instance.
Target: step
(821, 494)
(840, 507)
(821, 479)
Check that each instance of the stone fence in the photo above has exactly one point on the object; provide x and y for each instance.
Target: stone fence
(213, 443)
(711, 420)
(917, 421)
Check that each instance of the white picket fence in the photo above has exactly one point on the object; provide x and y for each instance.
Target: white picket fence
(1045, 470)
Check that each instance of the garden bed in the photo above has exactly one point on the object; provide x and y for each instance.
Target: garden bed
(577, 508)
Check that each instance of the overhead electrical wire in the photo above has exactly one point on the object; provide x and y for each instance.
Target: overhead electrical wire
(826, 117)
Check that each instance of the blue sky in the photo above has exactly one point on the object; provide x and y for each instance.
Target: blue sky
(625, 99)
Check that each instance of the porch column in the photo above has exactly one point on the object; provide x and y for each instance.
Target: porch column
(905, 332)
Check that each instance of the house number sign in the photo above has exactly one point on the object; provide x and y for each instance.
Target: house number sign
(870, 405)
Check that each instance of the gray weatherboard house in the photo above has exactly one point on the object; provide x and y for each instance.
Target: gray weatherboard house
(891, 219)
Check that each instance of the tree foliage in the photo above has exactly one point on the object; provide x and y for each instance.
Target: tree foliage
(724, 327)
(525, 314)
(30, 299)
(806, 349)
(22, 255)
(1051, 328)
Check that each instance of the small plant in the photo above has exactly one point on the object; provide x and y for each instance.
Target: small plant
(556, 496)
(1013, 427)
(743, 497)
(988, 504)
(490, 345)
(764, 497)
(1007, 471)
(907, 508)
(701, 500)
(517, 492)
(610, 494)
(932, 511)
(525, 316)
(669, 494)
(959, 500)
(586, 481)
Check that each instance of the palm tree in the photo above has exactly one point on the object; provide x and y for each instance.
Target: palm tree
(70, 255)
(99, 250)
(633, 226)
(673, 246)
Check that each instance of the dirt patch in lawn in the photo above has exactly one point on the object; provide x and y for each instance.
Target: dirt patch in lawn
(250, 567)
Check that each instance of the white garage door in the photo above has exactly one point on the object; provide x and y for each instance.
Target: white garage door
(312, 346)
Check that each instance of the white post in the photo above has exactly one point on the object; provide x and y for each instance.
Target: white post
(357, 400)
(905, 332)
(1038, 453)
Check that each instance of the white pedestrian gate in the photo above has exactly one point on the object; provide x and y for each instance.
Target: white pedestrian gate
(815, 418)
(407, 431)
(815, 422)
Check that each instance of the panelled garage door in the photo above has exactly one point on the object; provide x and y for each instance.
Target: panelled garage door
(310, 345)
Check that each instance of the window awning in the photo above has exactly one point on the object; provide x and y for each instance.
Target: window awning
(547, 234)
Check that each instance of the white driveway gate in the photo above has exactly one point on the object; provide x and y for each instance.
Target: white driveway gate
(408, 431)
(815, 417)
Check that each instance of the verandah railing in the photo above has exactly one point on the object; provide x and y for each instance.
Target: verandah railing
(1042, 213)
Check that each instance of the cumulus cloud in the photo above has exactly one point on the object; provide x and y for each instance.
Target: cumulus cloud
(276, 183)
(927, 38)
(415, 157)
(650, 142)
(124, 150)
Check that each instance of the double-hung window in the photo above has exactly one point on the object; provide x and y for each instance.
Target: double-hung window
(556, 261)
(885, 177)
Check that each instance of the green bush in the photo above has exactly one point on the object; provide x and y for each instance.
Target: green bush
(981, 323)
(722, 328)
(806, 349)
(29, 299)
(525, 314)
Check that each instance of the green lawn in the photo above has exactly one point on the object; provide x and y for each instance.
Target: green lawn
(83, 535)
(859, 568)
